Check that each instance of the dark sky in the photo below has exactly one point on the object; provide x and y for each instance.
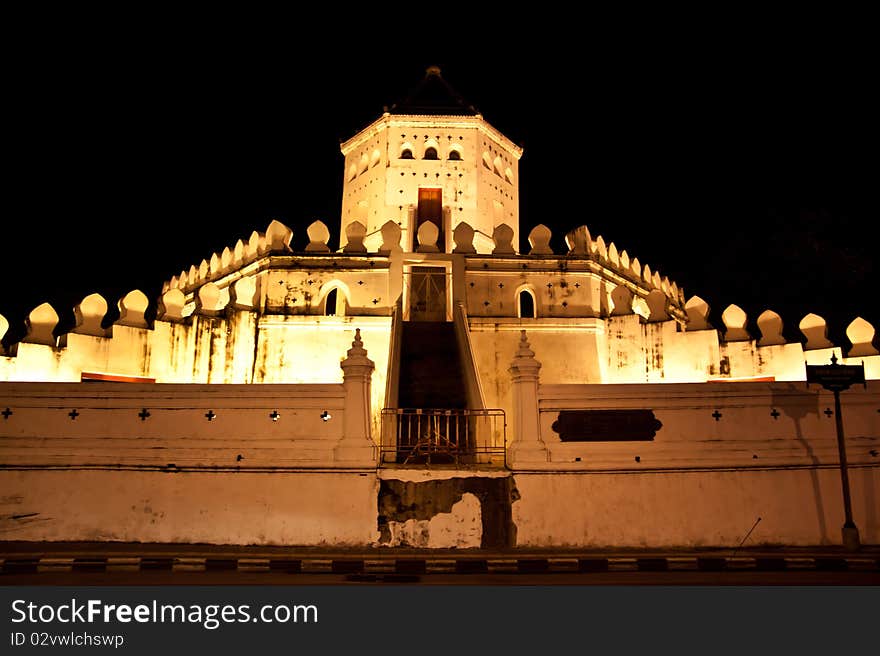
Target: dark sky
(748, 183)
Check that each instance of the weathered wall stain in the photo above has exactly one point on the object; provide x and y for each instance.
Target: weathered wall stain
(403, 501)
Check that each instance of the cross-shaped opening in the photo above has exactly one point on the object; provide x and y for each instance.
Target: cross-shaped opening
(73, 414)
(143, 414)
(210, 415)
(717, 415)
(6, 413)
(775, 414)
(274, 415)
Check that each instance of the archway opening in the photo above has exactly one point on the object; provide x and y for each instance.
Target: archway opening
(526, 305)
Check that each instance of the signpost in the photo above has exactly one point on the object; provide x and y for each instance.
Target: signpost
(836, 378)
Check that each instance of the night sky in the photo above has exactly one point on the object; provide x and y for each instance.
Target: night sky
(753, 184)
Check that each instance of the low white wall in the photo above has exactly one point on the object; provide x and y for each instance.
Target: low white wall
(693, 508)
(302, 508)
(718, 425)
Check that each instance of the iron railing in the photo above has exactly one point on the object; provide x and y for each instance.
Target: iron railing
(443, 437)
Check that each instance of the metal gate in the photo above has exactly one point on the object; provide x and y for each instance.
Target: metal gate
(427, 294)
(438, 436)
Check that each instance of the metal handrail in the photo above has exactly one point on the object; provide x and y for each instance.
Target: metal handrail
(429, 436)
(473, 385)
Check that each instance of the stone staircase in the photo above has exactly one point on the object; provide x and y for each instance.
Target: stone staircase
(430, 367)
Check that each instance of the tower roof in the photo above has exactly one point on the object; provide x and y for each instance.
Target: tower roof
(434, 96)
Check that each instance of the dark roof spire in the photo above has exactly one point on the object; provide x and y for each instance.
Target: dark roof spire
(433, 96)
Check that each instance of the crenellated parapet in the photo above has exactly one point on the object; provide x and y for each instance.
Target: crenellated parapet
(590, 279)
(269, 309)
(768, 354)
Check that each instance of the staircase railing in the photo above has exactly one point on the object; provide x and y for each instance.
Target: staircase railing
(443, 437)
(393, 377)
(472, 384)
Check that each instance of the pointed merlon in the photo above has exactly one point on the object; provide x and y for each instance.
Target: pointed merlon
(621, 301)
(600, 249)
(427, 237)
(636, 268)
(656, 302)
(770, 325)
(859, 332)
(579, 241)
(88, 315)
(252, 248)
(539, 240)
(698, 314)
(319, 236)
(463, 236)
(171, 306)
(132, 307)
(244, 293)
(734, 319)
(613, 256)
(40, 323)
(355, 233)
(211, 299)
(815, 330)
(391, 234)
(502, 235)
(278, 237)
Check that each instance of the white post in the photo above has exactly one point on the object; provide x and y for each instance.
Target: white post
(527, 445)
(356, 445)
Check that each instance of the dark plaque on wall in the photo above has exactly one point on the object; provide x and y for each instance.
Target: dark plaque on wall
(606, 425)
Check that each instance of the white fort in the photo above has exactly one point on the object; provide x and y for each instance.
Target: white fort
(425, 343)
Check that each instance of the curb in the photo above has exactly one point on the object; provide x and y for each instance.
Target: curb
(424, 566)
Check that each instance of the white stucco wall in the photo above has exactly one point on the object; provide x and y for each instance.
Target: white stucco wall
(301, 508)
(693, 508)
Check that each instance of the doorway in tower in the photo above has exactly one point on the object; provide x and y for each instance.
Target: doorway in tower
(427, 294)
(431, 209)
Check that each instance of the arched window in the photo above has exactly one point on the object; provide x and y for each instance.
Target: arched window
(526, 309)
(430, 153)
(330, 302)
(406, 153)
(455, 155)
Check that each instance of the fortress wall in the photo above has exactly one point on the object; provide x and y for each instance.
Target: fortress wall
(693, 508)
